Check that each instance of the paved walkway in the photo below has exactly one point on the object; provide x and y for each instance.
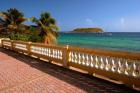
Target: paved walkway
(23, 74)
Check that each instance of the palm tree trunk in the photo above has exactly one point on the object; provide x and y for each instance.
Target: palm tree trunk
(50, 38)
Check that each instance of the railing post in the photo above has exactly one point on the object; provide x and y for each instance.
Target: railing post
(65, 56)
(12, 44)
(2, 43)
(29, 48)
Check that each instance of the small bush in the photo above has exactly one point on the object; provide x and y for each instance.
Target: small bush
(18, 36)
(35, 38)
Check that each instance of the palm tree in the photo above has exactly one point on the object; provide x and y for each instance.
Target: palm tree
(2, 22)
(13, 19)
(48, 28)
(2, 32)
(3, 25)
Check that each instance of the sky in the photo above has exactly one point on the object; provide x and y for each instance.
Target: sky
(110, 15)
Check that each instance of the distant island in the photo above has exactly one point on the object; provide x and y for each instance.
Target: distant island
(87, 30)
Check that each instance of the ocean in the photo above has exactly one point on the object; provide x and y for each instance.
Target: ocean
(124, 41)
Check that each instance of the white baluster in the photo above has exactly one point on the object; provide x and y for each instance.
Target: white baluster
(119, 66)
(102, 63)
(126, 68)
(87, 60)
(42, 50)
(72, 57)
(53, 53)
(91, 59)
(106, 66)
(96, 59)
(123, 66)
(79, 58)
(45, 51)
(83, 59)
(134, 69)
(60, 54)
(33, 49)
(36, 50)
(113, 67)
(56, 54)
(138, 68)
(49, 52)
(39, 50)
(75, 57)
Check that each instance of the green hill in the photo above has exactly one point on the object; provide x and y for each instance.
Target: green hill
(88, 30)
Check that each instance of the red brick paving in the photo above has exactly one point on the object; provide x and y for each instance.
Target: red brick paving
(23, 74)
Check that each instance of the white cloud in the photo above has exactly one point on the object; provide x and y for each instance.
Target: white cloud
(89, 21)
(133, 24)
(122, 23)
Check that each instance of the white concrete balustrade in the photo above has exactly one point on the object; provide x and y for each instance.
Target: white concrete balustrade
(54, 53)
(21, 46)
(117, 64)
(5, 43)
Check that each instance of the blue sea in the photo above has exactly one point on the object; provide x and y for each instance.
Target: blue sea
(124, 41)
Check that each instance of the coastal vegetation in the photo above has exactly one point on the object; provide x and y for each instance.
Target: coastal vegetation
(87, 30)
(12, 26)
(44, 31)
(12, 20)
(48, 28)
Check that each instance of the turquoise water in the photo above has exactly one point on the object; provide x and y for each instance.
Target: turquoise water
(114, 41)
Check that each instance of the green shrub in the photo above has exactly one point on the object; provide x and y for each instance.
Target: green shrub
(35, 38)
(18, 36)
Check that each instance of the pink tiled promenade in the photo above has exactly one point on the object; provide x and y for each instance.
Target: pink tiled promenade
(23, 74)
